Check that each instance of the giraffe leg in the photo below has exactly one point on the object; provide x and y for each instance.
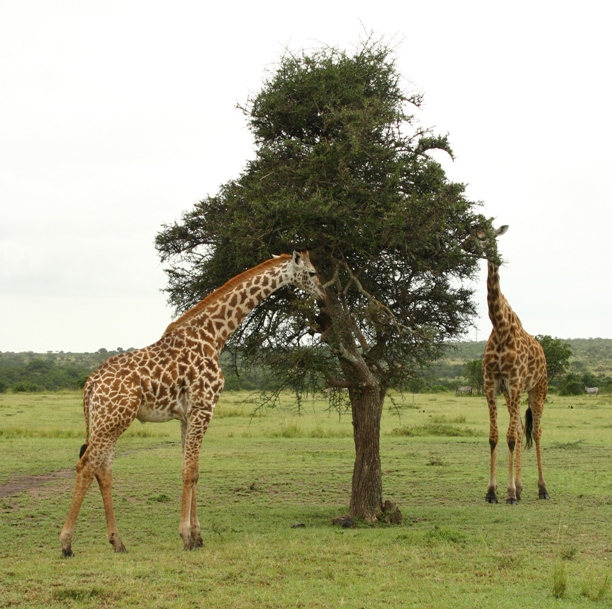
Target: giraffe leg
(518, 460)
(193, 433)
(104, 476)
(513, 401)
(195, 529)
(539, 397)
(84, 477)
(96, 461)
(196, 534)
(491, 393)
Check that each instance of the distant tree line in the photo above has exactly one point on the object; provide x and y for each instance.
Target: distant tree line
(51, 371)
(572, 365)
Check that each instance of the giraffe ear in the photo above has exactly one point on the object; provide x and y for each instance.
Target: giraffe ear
(296, 257)
(501, 230)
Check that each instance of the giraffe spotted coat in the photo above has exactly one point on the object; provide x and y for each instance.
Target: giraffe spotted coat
(178, 377)
(513, 363)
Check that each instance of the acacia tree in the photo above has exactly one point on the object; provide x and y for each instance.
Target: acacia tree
(343, 168)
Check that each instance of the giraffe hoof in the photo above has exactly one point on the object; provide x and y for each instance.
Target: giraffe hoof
(512, 501)
(193, 544)
(117, 544)
(491, 498)
(544, 495)
(67, 553)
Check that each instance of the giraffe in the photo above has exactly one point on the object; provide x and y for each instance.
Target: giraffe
(178, 377)
(513, 363)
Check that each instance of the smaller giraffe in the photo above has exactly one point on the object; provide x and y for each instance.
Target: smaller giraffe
(178, 377)
(513, 363)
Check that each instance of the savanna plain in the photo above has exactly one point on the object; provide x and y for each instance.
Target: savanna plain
(272, 481)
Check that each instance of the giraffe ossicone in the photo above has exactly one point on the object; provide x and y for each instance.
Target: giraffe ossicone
(513, 363)
(178, 377)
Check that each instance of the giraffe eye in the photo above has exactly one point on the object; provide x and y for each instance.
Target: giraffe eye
(311, 273)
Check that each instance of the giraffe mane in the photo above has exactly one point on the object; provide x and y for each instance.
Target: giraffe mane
(228, 286)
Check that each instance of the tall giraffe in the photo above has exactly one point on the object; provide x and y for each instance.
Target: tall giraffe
(513, 363)
(178, 377)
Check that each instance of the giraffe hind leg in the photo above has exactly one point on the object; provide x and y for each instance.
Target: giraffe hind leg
(95, 461)
(537, 400)
(518, 459)
(84, 477)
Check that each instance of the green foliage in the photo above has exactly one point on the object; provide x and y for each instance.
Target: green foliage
(558, 354)
(342, 167)
(32, 372)
(473, 374)
(571, 384)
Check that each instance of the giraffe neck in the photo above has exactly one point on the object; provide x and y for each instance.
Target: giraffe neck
(218, 316)
(500, 312)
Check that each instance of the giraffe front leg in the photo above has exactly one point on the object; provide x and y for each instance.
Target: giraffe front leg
(513, 402)
(196, 533)
(491, 496)
(190, 479)
(104, 477)
(193, 433)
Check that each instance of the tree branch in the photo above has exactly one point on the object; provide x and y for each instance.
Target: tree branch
(400, 327)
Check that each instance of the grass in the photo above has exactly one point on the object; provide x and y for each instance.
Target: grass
(263, 474)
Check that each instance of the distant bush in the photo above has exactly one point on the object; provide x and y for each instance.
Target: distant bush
(571, 384)
(26, 387)
(25, 372)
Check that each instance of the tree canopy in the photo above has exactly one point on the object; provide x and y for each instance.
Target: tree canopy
(343, 167)
(558, 354)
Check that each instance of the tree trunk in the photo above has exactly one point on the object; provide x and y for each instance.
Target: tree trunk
(367, 397)
(366, 493)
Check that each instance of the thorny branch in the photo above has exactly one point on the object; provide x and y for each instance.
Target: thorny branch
(400, 327)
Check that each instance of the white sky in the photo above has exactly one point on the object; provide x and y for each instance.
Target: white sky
(118, 115)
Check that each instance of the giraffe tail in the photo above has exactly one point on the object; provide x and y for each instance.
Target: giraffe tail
(86, 400)
(528, 427)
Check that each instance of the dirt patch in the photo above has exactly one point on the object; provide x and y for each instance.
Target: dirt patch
(23, 484)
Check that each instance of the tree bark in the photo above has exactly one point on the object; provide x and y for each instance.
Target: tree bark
(367, 396)
(366, 493)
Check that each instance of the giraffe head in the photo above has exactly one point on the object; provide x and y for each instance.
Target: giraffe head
(483, 241)
(303, 275)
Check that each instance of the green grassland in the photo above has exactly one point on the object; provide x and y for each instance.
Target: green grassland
(263, 473)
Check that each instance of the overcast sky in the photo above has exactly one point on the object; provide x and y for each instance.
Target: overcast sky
(118, 115)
